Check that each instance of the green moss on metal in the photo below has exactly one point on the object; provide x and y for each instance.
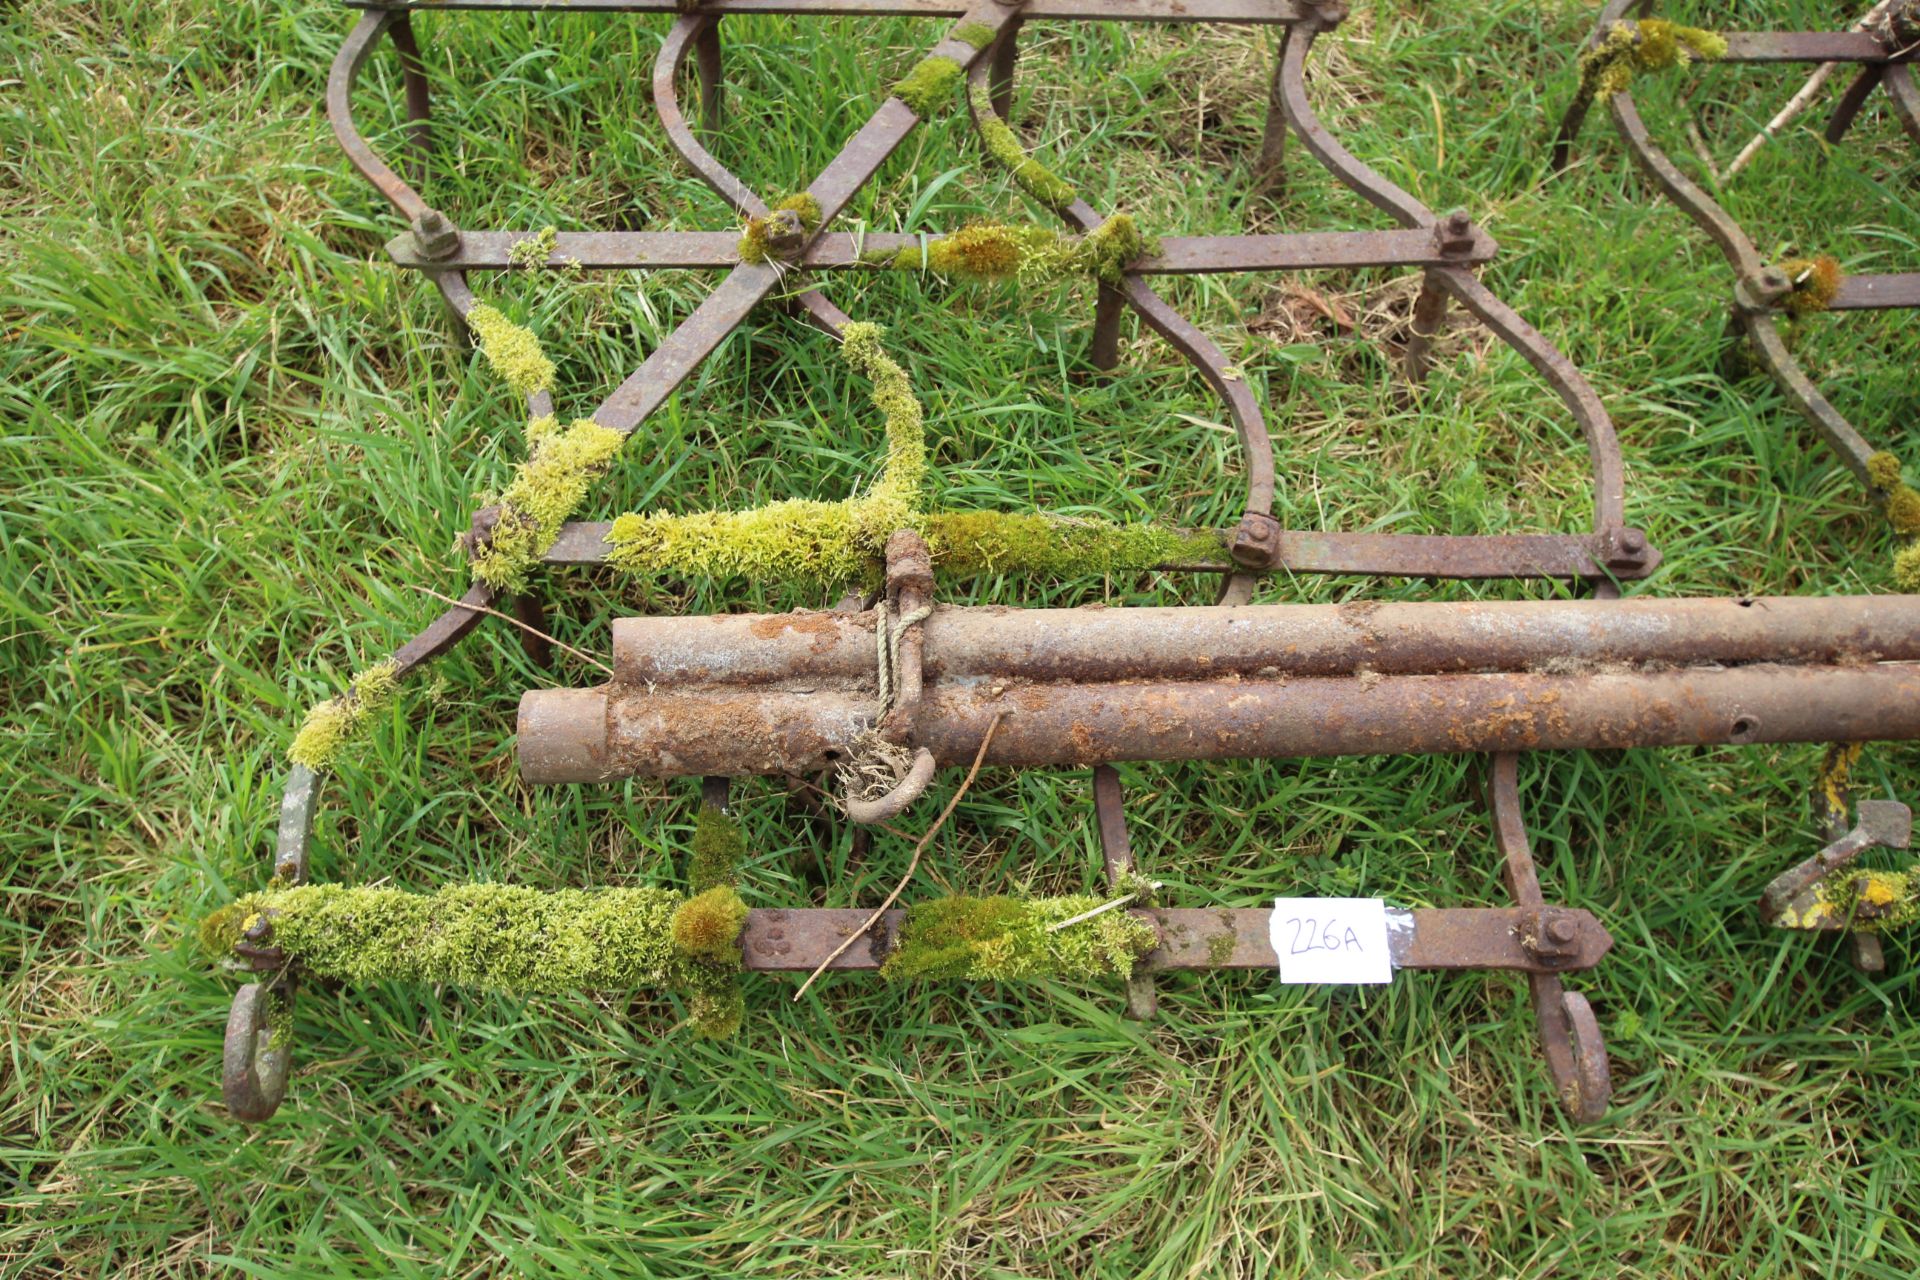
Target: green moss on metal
(990, 252)
(1112, 245)
(1902, 503)
(1652, 44)
(1004, 146)
(497, 937)
(534, 250)
(754, 245)
(718, 848)
(546, 489)
(1220, 948)
(805, 539)
(707, 924)
(512, 350)
(1008, 938)
(929, 86)
(1906, 568)
(330, 725)
(489, 936)
(1816, 281)
(977, 34)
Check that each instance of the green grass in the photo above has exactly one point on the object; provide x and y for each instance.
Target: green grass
(236, 440)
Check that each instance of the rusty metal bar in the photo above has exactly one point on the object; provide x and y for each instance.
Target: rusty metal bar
(837, 251)
(1809, 46)
(796, 941)
(1238, 12)
(1877, 293)
(1590, 557)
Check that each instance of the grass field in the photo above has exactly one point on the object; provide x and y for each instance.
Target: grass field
(237, 441)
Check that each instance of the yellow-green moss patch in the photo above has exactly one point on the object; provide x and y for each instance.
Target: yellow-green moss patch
(1008, 938)
(977, 34)
(754, 245)
(497, 937)
(1004, 146)
(1113, 244)
(1902, 503)
(707, 925)
(799, 538)
(1906, 568)
(512, 350)
(1652, 44)
(488, 936)
(989, 252)
(534, 250)
(929, 86)
(718, 848)
(546, 489)
(1815, 282)
(330, 725)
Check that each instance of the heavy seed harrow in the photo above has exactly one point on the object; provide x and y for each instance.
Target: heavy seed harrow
(898, 682)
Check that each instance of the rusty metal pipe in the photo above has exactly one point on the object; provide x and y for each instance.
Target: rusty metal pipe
(591, 735)
(1295, 640)
(786, 694)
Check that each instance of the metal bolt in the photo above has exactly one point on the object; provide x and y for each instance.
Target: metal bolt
(1625, 548)
(1762, 291)
(434, 237)
(260, 931)
(1560, 930)
(1454, 233)
(783, 232)
(1255, 541)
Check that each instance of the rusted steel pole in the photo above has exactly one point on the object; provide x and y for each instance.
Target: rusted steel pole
(796, 941)
(787, 693)
(1290, 639)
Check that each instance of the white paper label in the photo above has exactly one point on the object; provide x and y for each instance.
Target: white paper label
(1331, 940)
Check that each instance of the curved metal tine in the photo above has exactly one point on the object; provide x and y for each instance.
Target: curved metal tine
(256, 1060)
(1903, 87)
(1116, 852)
(1693, 201)
(1570, 1038)
(1576, 114)
(1370, 186)
(1609, 480)
(1006, 52)
(1845, 110)
(684, 38)
(347, 63)
(1249, 424)
(1850, 445)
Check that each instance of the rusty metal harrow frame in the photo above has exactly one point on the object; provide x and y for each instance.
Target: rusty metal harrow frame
(1885, 60)
(1498, 711)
